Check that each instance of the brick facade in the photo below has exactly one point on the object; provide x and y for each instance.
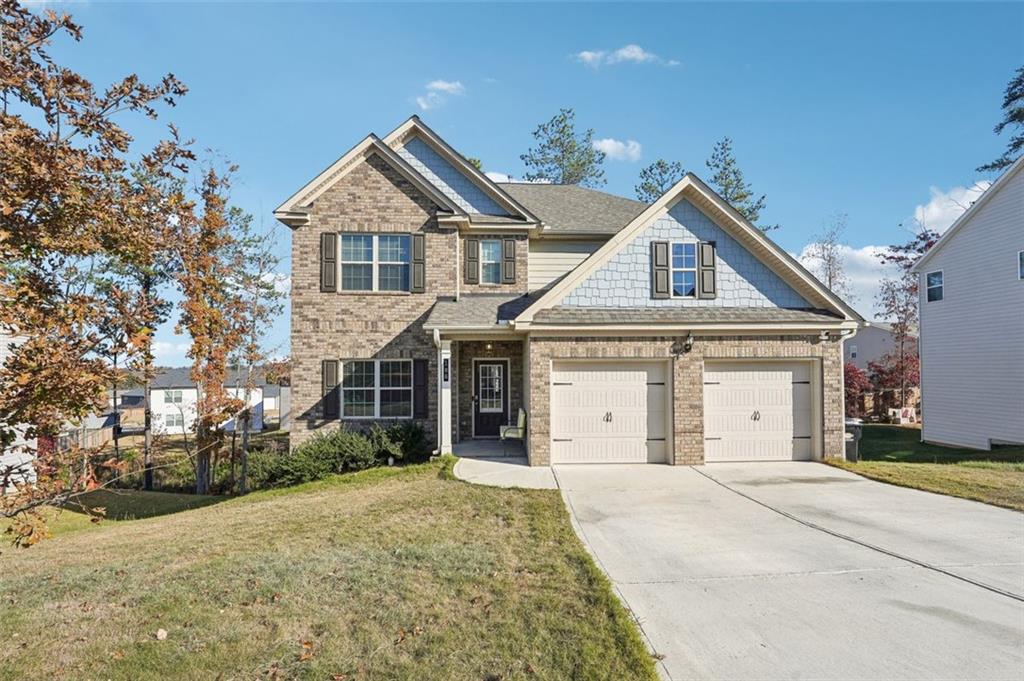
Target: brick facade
(521, 284)
(372, 198)
(687, 381)
(467, 352)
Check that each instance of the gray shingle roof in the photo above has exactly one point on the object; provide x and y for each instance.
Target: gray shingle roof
(679, 315)
(179, 377)
(478, 309)
(568, 208)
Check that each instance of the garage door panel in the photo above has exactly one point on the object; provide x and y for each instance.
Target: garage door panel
(608, 411)
(757, 411)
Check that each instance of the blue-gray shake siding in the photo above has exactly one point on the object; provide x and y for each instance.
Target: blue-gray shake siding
(743, 280)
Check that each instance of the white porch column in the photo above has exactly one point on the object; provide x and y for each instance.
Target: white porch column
(445, 376)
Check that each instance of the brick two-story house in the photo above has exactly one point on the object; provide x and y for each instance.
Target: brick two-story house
(673, 332)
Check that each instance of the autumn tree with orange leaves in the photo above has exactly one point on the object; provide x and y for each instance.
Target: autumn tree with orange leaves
(69, 205)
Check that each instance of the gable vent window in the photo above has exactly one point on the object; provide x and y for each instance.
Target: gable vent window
(490, 261)
(933, 286)
(371, 262)
(684, 270)
(1020, 265)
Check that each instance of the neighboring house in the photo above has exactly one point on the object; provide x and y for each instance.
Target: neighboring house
(972, 322)
(874, 341)
(174, 397)
(16, 460)
(675, 332)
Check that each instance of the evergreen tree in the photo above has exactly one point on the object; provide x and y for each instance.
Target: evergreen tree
(562, 155)
(727, 179)
(657, 178)
(1013, 118)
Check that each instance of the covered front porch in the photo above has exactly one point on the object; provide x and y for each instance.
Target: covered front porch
(482, 382)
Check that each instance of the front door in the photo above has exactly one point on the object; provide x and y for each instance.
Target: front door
(490, 397)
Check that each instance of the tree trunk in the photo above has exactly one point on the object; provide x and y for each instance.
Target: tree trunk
(245, 454)
(147, 436)
(117, 417)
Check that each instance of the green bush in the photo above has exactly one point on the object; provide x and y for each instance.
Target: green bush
(411, 440)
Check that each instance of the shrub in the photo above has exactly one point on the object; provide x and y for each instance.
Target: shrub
(324, 454)
(411, 440)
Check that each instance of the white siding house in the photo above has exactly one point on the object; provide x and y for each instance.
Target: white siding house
(174, 399)
(15, 461)
(972, 322)
(871, 343)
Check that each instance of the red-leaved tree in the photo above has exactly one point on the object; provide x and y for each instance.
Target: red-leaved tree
(856, 385)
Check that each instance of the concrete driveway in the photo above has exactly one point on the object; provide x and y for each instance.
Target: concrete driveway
(803, 571)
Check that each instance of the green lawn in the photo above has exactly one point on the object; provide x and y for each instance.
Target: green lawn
(387, 574)
(896, 455)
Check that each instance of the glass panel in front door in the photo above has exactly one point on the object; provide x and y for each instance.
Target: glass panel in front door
(491, 386)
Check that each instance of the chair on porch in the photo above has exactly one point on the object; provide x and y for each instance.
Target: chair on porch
(516, 432)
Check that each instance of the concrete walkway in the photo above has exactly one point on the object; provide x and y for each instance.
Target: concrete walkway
(504, 472)
(799, 570)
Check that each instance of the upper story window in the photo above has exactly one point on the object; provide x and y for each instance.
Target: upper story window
(853, 352)
(173, 397)
(1020, 264)
(375, 262)
(933, 286)
(490, 261)
(684, 270)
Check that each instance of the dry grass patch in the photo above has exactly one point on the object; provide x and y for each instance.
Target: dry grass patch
(385, 574)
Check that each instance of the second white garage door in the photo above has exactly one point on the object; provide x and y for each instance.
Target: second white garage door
(608, 412)
(757, 411)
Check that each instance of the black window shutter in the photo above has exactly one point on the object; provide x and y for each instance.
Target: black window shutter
(508, 261)
(419, 388)
(329, 378)
(660, 278)
(419, 263)
(706, 285)
(472, 261)
(328, 262)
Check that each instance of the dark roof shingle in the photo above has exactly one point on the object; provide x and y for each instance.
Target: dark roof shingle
(568, 208)
(478, 309)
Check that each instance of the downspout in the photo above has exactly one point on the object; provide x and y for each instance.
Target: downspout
(458, 266)
(437, 440)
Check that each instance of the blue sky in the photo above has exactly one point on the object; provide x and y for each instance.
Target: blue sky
(873, 110)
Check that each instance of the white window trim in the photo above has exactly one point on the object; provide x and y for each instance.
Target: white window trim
(377, 388)
(672, 269)
(499, 262)
(1020, 265)
(374, 262)
(941, 286)
(168, 397)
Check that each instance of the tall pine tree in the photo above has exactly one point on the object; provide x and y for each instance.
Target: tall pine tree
(727, 178)
(1013, 118)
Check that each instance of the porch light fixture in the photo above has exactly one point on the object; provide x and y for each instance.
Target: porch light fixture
(688, 343)
(823, 336)
(488, 346)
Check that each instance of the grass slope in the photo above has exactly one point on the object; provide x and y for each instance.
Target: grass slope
(897, 456)
(385, 574)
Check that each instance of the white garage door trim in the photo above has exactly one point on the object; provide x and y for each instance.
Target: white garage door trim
(610, 411)
(774, 431)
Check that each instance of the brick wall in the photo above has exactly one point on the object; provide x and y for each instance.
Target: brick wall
(687, 380)
(372, 198)
(522, 283)
(467, 352)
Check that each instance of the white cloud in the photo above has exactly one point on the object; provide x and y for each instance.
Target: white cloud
(498, 177)
(617, 150)
(632, 53)
(451, 87)
(171, 353)
(865, 272)
(437, 92)
(945, 207)
(282, 282)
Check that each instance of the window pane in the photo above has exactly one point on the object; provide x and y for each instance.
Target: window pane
(684, 256)
(396, 374)
(393, 277)
(393, 248)
(396, 403)
(934, 293)
(684, 283)
(357, 247)
(1020, 265)
(491, 273)
(358, 402)
(934, 279)
(357, 375)
(356, 277)
(490, 251)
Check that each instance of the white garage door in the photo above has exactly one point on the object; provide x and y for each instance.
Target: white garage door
(757, 411)
(608, 412)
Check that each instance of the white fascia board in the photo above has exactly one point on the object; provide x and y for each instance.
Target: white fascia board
(674, 328)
